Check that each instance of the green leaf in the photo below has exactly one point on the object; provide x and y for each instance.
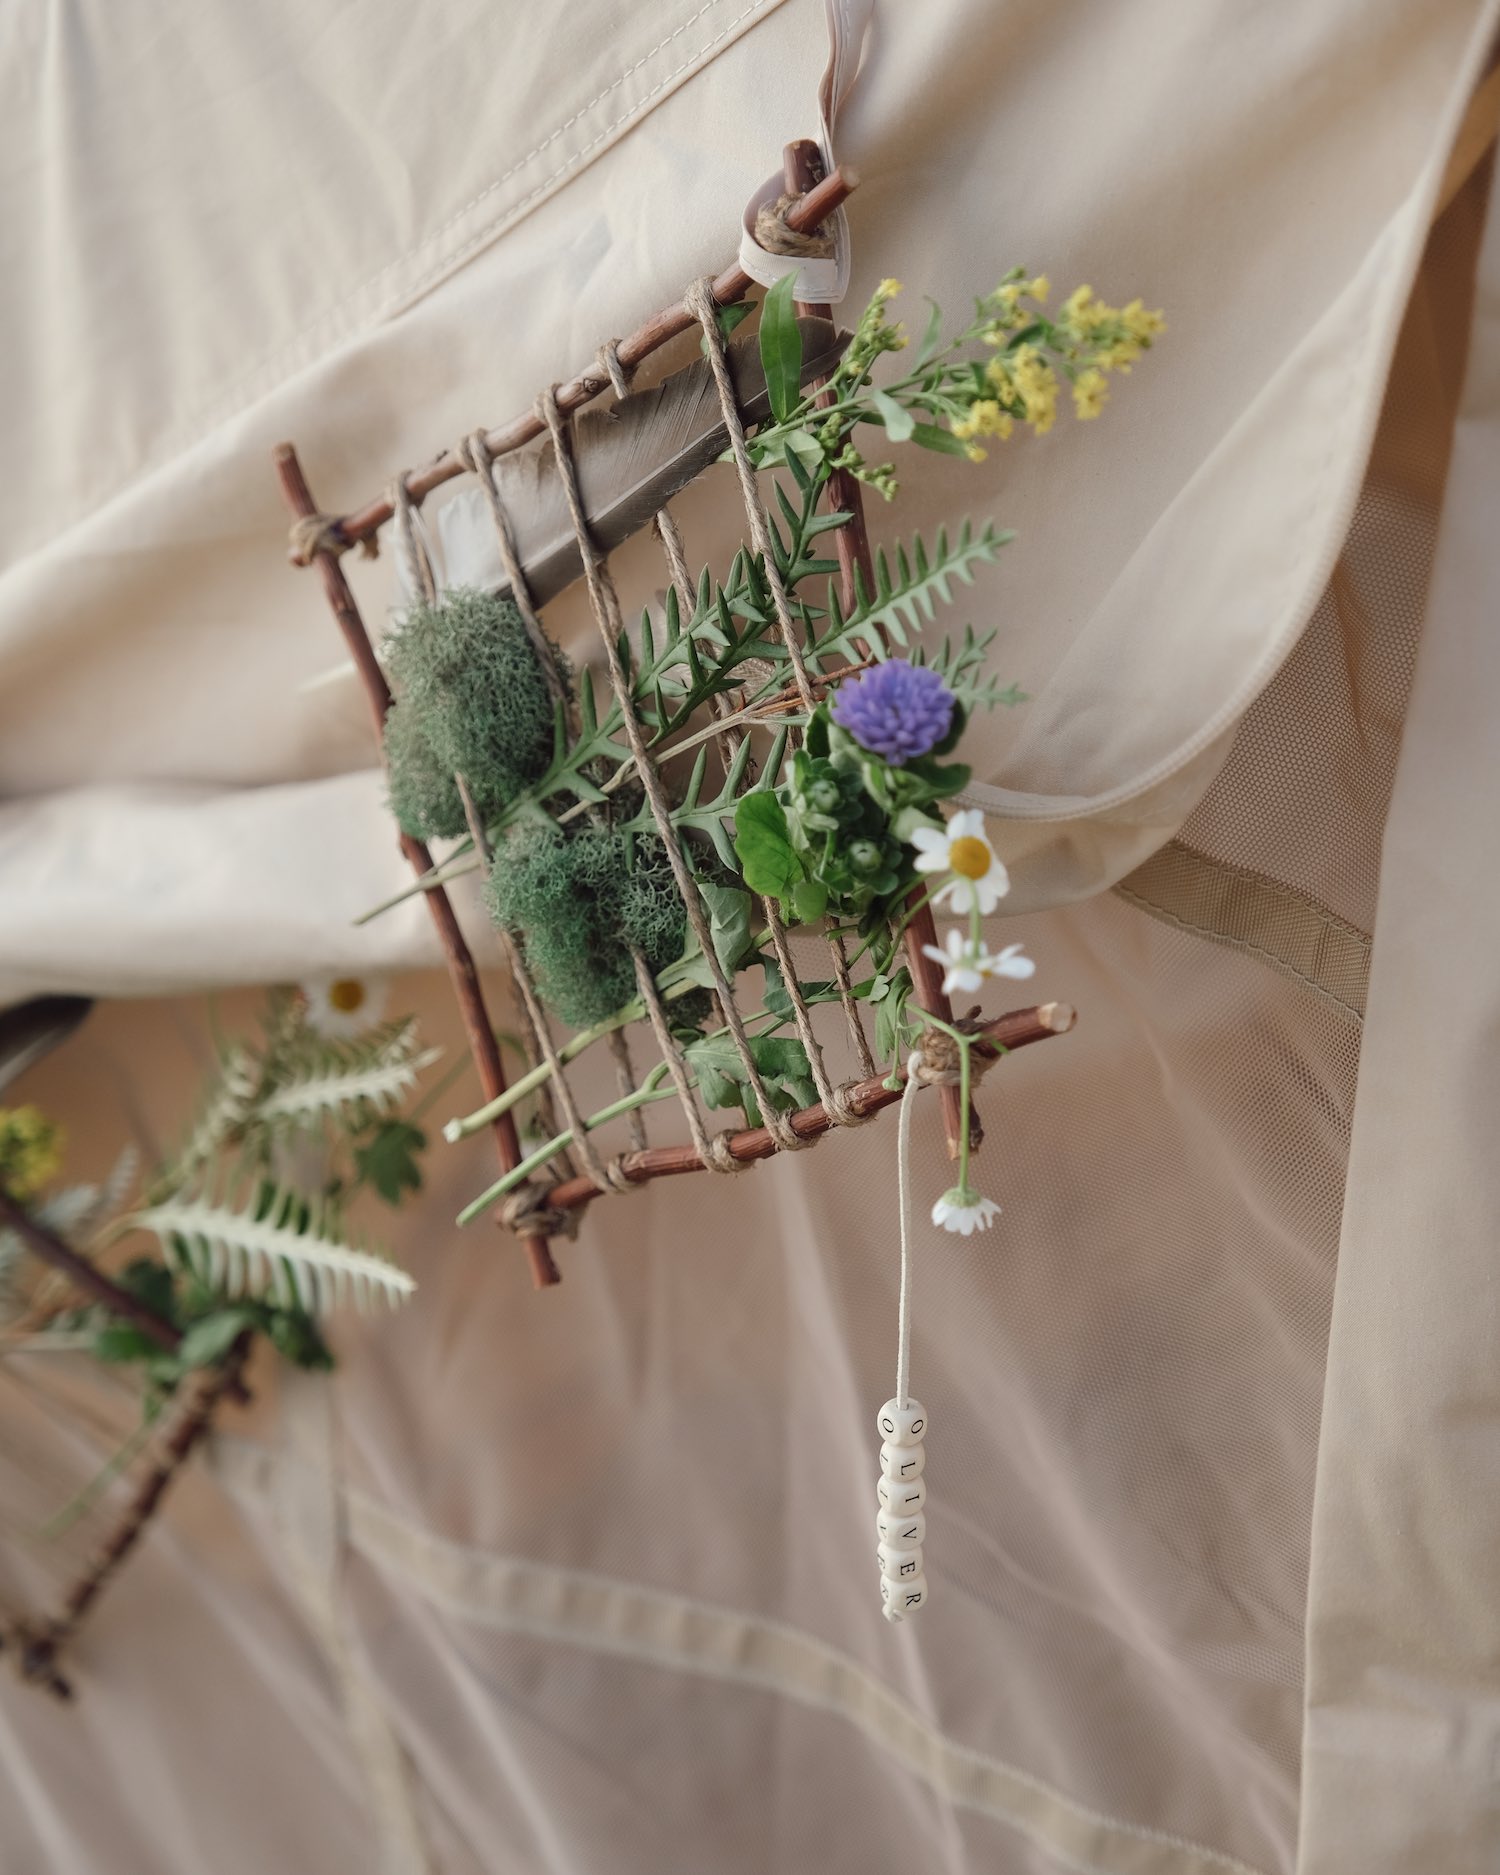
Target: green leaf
(118, 1342)
(892, 1032)
(933, 436)
(809, 900)
(764, 848)
(781, 348)
(210, 1339)
(388, 1160)
(728, 922)
(728, 318)
(931, 336)
(804, 449)
(899, 422)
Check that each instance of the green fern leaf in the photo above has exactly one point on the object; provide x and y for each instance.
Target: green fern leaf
(273, 1246)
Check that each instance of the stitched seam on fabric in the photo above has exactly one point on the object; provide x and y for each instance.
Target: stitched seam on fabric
(1233, 940)
(212, 413)
(370, 1521)
(274, 369)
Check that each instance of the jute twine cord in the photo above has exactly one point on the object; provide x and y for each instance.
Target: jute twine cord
(608, 357)
(605, 603)
(312, 534)
(635, 1120)
(474, 453)
(711, 1148)
(414, 555)
(700, 301)
(573, 1118)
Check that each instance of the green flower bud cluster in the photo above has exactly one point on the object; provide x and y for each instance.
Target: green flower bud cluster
(840, 834)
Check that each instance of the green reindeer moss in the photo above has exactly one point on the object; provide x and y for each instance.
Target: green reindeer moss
(467, 672)
(579, 906)
(424, 796)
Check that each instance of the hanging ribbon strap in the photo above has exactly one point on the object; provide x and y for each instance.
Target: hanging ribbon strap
(822, 279)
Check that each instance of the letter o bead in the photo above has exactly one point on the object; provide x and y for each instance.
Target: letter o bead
(901, 1496)
(902, 1425)
(902, 1462)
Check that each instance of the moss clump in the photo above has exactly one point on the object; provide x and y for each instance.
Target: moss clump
(466, 671)
(579, 907)
(424, 798)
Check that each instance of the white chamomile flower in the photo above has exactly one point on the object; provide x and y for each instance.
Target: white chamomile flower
(967, 964)
(963, 849)
(964, 1211)
(341, 1008)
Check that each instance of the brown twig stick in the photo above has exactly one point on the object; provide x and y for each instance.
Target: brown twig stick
(731, 285)
(802, 170)
(37, 1645)
(1016, 1030)
(87, 1277)
(460, 959)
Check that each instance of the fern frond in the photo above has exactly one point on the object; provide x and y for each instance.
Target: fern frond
(364, 1077)
(224, 1113)
(905, 599)
(276, 1245)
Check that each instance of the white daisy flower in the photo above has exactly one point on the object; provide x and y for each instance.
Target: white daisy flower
(966, 965)
(963, 849)
(964, 1211)
(340, 1008)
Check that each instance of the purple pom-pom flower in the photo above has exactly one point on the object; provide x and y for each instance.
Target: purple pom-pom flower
(897, 710)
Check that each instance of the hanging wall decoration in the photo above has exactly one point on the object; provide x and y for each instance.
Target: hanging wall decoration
(776, 749)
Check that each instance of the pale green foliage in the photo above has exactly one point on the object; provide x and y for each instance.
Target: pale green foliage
(359, 1080)
(279, 1245)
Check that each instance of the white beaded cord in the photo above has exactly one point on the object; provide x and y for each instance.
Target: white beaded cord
(900, 1525)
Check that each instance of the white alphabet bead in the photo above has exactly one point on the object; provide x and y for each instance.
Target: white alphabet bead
(902, 1598)
(901, 1530)
(904, 1462)
(899, 1564)
(902, 1425)
(901, 1496)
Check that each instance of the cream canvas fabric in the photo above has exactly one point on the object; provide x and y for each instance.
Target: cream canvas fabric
(581, 1581)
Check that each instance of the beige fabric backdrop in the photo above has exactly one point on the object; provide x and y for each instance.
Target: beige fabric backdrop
(579, 1582)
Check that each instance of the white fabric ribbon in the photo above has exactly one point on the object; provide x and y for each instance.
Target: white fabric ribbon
(823, 282)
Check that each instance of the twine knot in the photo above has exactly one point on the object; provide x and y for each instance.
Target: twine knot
(776, 236)
(312, 534)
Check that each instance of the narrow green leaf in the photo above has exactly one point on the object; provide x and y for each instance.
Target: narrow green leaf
(781, 348)
(931, 436)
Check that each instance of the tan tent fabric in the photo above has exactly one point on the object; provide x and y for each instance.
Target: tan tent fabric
(580, 1582)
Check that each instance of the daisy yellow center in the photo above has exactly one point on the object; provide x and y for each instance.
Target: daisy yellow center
(969, 856)
(346, 995)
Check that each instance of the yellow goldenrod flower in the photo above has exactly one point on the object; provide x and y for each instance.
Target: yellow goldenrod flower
(1089, 393)
(976, 452)
(900, 338)
(1119, 356)
(964, 428)
(1039, 288)
(1141, 324)
(888, 289)
(30, 1150)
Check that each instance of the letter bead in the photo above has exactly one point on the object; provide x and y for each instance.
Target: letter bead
(902, 1496)
(901, 1530)
(902, 1425)
(902, 1598)
(903, 1462)
(901, 1565)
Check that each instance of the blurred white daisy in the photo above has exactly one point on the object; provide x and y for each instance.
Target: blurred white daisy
(964, 1211)
(967, 965)
(962, 848)
(341, 1008)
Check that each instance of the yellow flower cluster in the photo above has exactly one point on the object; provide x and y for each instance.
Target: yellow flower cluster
(1088, 340)
(30, 1150)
